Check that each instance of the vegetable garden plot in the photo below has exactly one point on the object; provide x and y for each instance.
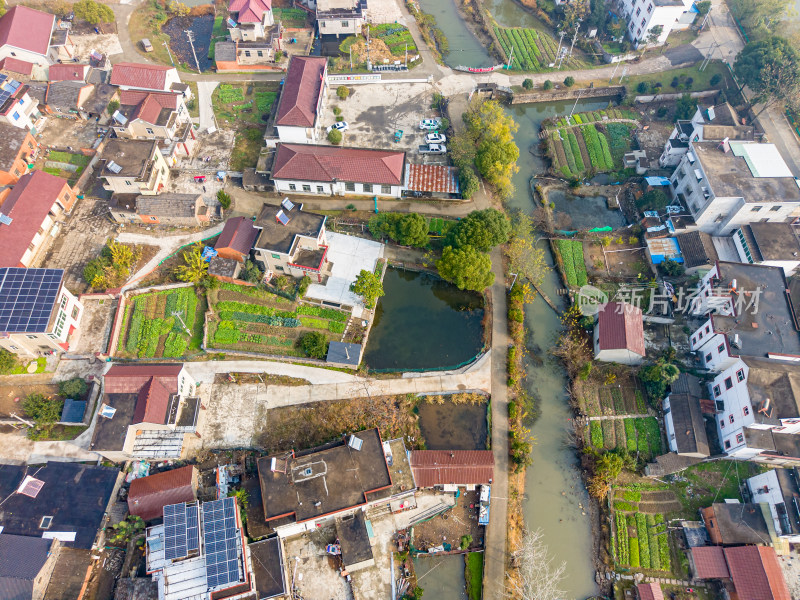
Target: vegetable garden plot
(159, 324)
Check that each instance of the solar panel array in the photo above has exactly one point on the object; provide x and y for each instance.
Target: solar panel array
(220, 537)
(27, 297)
(8, 87)
(181, 531)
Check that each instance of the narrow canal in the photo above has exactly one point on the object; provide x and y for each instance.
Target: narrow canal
(555, 498)
(464, 48)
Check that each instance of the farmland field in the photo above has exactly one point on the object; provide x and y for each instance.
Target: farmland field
(530, 50)
(571, 252)
(253, 320)
(161, 324)
(641, 435)
(586, 143)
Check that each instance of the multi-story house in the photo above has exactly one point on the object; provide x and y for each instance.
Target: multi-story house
(18, 150)
(32, 37)
(780, 488)
(748, 313)
(341, 17)
(758, 410)
(249, 20)
(150, 78)
(32, 209)
(335, 171)
(156, 116)
(770, 244)
(16, 106)
(301, 101)
(292, 241)
(730, 184)
(134, 167)
(712, 124)
(147, 411)
(37, 313)
(643, 15)
(254, 37)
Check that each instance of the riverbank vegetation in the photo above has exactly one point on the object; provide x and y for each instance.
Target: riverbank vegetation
(430, 32)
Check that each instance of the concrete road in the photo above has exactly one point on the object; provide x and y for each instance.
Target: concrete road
(206, 106)
(204, 372)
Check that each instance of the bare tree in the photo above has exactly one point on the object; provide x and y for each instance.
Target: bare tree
(538, 577)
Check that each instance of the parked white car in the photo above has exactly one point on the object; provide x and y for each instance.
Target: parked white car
(435, 138)
(340, 125)
(433, 149)
(429, 124)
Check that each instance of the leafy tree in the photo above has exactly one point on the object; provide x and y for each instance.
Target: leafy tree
(642, 87)
(574, 12)
(466, 267)
(569, 81)
(241, 495)
(179, 9)
(335, 137)
(652, 36)
(703, 7)
(343, 92)
(653, 200)
(43, 411)
(466, 542)
(113, 267)
(715, 79)
(252, 272)
(73, 388)
(765, 15)
(491, 132)
(8, 361)
(685, 107)
(369, 286)
(657, 377)
(547, 85)
(127, 529)
(194, 269)
(410, 229)
(468, 182)
(93, 12)
(482, 229)
(314, 344)
(113, 107)
(524, 257)
(224, 199)
(771, 69)
(527, 84)
(671, 268)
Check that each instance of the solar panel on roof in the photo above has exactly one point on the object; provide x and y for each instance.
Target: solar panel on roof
(282, 218)
(287, 204)
(30, 486)
(27, 298)
(114, 167)
(175, 532)
(222, 542)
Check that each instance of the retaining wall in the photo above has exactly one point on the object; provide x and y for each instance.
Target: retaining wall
(568, 94)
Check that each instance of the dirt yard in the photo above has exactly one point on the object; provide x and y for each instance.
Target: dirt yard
(12, 396)
(95, 326)
(65, 133)
(450, 526)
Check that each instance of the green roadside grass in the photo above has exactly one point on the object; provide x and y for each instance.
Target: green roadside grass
(473, 574)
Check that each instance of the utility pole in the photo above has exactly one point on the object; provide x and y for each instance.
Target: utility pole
(510, 58)
(166, 45)
(574, 37)
(708, 57)
(614, 73)
(558, 50)
(624, 72)
(369, 61)
(190, 36)
(574, 106)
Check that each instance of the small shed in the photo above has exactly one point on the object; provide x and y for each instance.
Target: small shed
(73, 411)
(344, 353)
(148, 496)
(664, 248)
(354, 540)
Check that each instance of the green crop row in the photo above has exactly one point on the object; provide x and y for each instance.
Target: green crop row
(596, 434)
(619, 403)
(652, 538)
(253, 309)
(595, 148)
(319, 311)
(623, 552)
(571, 252)
(576, 153)
(630, 435)
(227, 333)
(175, 345)
(644, 541)
(641, 407)
(229, 94)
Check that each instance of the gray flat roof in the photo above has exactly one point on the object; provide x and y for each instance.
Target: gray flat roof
(354, 539)
(344, 353)
(730, 177)
(775, 241)
(132, 155)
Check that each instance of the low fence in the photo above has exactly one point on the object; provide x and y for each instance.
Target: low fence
(568, 94)
(364, 78)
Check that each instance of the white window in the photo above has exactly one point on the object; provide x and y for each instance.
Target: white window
(292, 187)
(345, 23)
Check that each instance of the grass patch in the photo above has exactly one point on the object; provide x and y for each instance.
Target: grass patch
(290, 17)
(218, 34)
(22, 368)
(246, 147)
(473, 574)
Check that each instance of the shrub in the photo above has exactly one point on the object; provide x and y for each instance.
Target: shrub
(343, 92)
(335, 137)
(113, 107)
(547, 85)
(715, 79)
(527, 84)
(642, 87)
(42, 410)
(466, 541)
(337, 111)
(314, 344)
(569, 81)
(224, 199)
(661, 112)
(73, 388)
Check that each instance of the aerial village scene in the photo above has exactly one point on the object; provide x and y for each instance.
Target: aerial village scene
(399, 299)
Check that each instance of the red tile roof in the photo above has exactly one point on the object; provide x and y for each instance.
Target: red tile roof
(238, 234)
(621, 327)
(148, 496)
(16, 65)
(27, 204)
(149, 77)
(68, 72)
(27, 29)
(153, 383)
(325, 163)
(148, 104)
(455, 467)
(756, 573)
(301, 91)
(431, 178)
(650, 591)
(709, 563)
(250, 11)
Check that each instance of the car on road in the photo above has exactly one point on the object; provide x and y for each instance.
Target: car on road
(340, 125)
(435, 138)
(429, 124)
(433, 149)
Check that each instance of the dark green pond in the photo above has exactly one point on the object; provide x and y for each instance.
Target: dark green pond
(423, 322)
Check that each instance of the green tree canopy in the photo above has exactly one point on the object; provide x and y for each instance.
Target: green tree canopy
(657, 377)
(654, 199)
(93, 12)
(764, 15)
(482, 229)
(685, 107)
(524, 256)
(73, 388)
(194, 268)
(491, 132)
(8, 361)
(466, 267)
(369, 286)
(771, 69)
(42, 410)
(335, 136)
(407, 229)
(314, 344)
